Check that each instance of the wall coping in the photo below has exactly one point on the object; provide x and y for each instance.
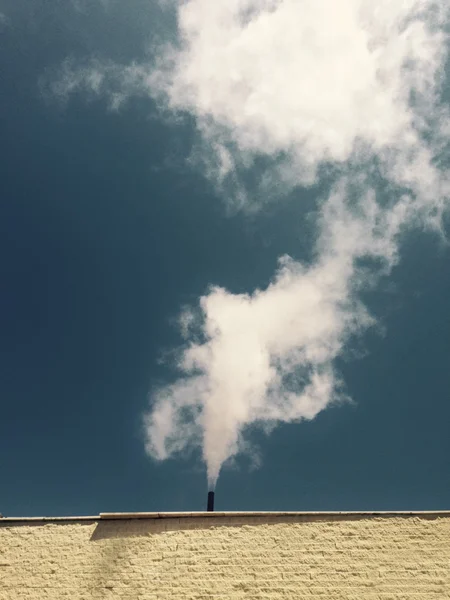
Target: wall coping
(227, 514)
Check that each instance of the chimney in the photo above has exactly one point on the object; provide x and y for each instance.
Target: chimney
(210, 502)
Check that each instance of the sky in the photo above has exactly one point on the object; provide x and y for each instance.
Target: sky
(224, 256)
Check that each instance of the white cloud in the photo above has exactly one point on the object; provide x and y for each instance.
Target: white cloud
(354, 85)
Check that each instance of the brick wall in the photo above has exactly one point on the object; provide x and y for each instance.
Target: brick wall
(332, 557)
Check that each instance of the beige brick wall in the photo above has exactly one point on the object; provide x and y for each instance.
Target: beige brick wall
(305, 557)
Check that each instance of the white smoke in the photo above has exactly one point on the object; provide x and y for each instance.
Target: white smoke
(304, 79)
(268, 357)
(353, 85)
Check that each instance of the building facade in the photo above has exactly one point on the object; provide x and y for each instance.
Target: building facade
(271, 556)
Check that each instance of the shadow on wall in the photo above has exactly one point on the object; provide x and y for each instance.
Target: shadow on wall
(145, 527)
(126, 545)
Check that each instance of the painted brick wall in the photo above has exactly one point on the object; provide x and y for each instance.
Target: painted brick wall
(307, 557)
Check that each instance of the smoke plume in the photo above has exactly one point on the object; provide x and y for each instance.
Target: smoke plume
(352, 89)
(354, 85)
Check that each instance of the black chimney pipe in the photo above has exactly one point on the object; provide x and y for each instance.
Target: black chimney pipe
(210, 502)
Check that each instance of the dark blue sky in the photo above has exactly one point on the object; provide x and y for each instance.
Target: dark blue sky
(105, 232)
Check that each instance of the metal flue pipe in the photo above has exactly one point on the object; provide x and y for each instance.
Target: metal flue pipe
(210, 502)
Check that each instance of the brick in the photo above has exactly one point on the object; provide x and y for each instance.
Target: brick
(252, 558)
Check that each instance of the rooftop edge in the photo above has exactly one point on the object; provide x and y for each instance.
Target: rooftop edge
(227, 514)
